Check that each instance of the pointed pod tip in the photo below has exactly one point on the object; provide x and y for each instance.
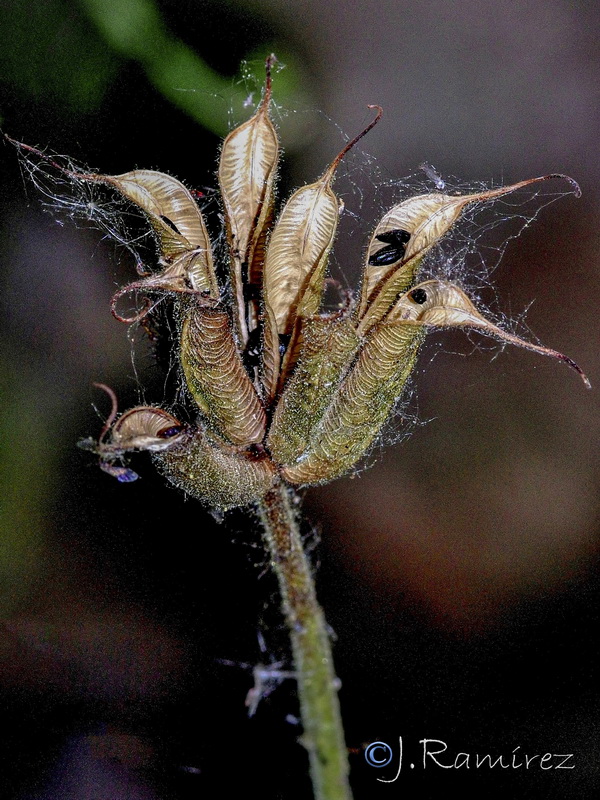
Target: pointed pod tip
(502, 190)
(546, 351)
(566, 360)
(552, 175)
(553, 354)
(335, 163)
(572, 181)
(577, 369)
(379, 112)
(269, 61)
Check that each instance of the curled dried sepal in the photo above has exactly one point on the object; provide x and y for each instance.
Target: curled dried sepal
(178, 277)
(299, 246)
(216, 377)
(247, 170)
(403, 237)
(222, 477)
(140, 428)
(440, 304)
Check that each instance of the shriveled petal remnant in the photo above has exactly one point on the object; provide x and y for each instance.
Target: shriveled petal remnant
(277, 389)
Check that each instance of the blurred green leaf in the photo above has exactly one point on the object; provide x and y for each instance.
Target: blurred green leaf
(48, 51)
(135, 30)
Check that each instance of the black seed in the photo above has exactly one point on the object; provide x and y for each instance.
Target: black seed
(396, 241)
(387, 255)
(253, 348)
(419, 296)
(170, 223)
(397, 237)
(166, 433)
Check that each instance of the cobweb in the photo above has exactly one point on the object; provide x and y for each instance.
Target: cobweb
(467, 255)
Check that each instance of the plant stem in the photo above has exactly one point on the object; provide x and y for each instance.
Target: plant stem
(317, 684)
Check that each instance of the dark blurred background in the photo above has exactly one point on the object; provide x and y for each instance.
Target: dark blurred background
(459, 572)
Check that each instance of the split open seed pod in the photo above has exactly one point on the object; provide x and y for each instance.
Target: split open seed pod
(299, 247)
(247, 171)
(143, 428)
(443, 305)
(177, 221)
(405, 235)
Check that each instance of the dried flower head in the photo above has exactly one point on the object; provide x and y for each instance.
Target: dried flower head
(282, 391)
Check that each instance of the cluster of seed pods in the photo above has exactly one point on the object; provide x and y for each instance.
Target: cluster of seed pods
(282, 391)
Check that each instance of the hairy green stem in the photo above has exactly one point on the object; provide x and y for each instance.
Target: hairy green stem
(317, 684)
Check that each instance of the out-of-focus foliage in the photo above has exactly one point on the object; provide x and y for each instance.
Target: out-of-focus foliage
(69, 53)
(49, 51)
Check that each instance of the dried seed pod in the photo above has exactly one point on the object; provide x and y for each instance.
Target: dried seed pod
(247, 170)
(443, 305)
(216, 377)
(140, 428)
(271, 355)
(173, 213)
(221, 477)
(328, 347)
(143, 428)
(403, 237)
(361, 405)
(299, 247)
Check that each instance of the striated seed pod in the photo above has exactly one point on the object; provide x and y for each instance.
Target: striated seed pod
(173, 213)
(443, 305)
(328, 347)
(247, 170)
(221, 477)
(361, 406)
(270, 356)
(145, 428)
(299, 247)
(216, 377)
(403, 237)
